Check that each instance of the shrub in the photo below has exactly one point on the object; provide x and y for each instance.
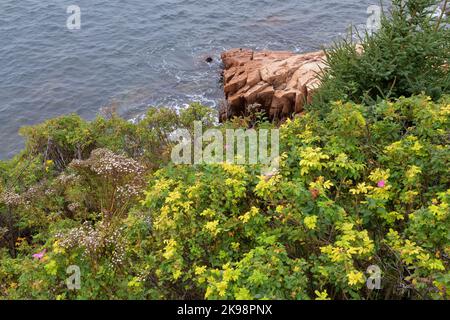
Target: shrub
(361, 186)
(66, 138)
(363, 182)
(408, 55)
(354, 189)
(111, 182)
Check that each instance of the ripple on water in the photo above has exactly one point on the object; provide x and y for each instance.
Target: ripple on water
(141, 53)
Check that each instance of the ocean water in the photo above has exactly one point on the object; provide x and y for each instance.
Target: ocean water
(138, 53)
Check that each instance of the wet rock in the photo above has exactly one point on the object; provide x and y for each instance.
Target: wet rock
(280, 82)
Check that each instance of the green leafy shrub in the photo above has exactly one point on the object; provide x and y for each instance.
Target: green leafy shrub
(77, 171)
(408, 55)
(66, 138)
(353, 190)
(362, 182)
(362, 186)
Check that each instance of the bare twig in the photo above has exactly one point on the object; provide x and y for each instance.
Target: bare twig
(444, 8)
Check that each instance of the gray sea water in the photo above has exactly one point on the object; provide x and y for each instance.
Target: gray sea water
(137, 53)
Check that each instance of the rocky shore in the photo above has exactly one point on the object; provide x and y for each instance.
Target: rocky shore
(276, 82)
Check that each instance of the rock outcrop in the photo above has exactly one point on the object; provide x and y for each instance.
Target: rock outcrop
(276, 82)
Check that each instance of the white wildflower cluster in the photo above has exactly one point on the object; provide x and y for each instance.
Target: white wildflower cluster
(49, 192)
(3, 232)
(11, 198)
(65, 179)
(130, 190)
(84, 236)
(36, 191)
(145, 217)
(106, 163)
(96, 242)
(117, 248)
(74, 206)
(125, 174)
(32, 191)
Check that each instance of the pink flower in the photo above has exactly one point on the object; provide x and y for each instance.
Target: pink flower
(381, 184)
(39, 255)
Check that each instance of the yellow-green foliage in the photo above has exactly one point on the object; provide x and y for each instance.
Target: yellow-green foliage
(363, 186)
(360, 188)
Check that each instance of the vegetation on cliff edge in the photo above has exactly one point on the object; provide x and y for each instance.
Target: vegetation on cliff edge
(363, 181)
